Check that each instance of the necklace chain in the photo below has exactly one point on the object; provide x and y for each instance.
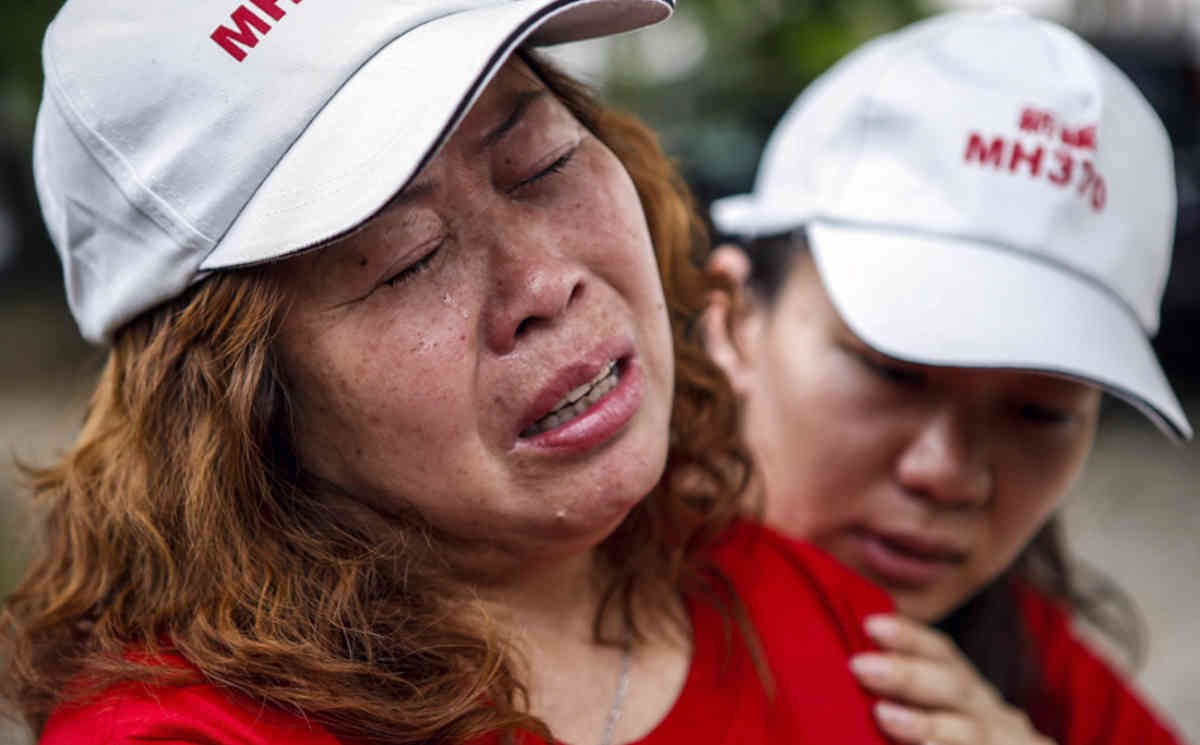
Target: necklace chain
(614, 711)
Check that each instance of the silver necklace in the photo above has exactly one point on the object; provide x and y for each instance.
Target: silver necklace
(614, 712)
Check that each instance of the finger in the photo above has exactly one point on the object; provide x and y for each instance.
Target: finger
(729, 261)
(932, 684)
(926, 728)
(899, 634)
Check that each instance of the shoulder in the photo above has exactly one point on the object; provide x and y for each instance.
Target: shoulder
(769, 568)
(194, 713)
(1085, 699)
(807, 611)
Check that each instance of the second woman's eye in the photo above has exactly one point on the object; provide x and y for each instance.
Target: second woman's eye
(891, 372)
(554, 167)
(1041, 413)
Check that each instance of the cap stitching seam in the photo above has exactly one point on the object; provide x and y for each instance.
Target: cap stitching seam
(110, 159)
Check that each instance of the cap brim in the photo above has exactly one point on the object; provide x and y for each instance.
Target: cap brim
(744, 216)
(948, 302)
(382, 126)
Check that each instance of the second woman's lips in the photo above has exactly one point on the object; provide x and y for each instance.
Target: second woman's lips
(906, 559)
(931, 549)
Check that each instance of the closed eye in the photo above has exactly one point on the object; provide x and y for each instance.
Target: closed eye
(1041, 414)
(413, 269)
(892, 373)
(556, 167)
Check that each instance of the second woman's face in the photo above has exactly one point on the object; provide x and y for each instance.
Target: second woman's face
(493, 349)
(927, 480)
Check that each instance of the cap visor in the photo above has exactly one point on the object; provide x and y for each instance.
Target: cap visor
(957, 303)
(743, 215)
(381, 127)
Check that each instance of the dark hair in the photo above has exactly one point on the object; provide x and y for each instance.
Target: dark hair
(988, 627)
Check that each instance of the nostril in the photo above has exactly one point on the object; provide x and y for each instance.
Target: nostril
(576, 293)
(524, 326)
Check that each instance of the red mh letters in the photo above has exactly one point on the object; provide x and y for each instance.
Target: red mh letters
(1060, 166)
(248, 27)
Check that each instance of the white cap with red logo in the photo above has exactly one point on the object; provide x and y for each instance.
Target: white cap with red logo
(175, 139)
(983, 189)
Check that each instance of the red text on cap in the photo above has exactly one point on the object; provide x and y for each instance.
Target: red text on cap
(248, 25)
(1059, 158)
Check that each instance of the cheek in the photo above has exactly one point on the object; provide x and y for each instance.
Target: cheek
(1031, 481)
(820, 455)
(608, 215)
(374, 399)
(1030, 487)
(607, 228)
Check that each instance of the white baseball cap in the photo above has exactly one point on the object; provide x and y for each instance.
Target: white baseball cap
(175, 139)
(983, 189)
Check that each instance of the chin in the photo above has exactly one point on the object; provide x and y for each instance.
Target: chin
(925, 606)
(601, 492)
(598, 509)
(600, 513)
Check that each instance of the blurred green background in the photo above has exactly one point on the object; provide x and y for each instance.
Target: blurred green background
(713, 82)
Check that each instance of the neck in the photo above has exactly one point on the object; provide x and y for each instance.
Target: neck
(549, 603)
(548, 611)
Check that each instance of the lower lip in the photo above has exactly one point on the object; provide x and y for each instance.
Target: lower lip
(896, 567)
(599, 424)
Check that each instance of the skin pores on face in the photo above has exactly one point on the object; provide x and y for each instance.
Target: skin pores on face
(927, 480)
(422, 348)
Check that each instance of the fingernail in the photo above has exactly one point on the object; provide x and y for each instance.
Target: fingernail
(882, 628)
(896, 717)
(871, 666)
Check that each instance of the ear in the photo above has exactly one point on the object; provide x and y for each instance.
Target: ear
(733, 320)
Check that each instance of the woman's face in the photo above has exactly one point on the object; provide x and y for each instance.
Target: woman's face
(493, 349)
(927, 480)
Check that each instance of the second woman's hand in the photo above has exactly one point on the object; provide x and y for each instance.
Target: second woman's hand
(931, 693)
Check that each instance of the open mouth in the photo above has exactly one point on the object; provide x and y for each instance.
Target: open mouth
(578, 400)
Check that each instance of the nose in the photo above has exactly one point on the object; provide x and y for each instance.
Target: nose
(533, 285)
(946, 461)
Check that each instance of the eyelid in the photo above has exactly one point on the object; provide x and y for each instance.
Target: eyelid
(557, 164)
(410, 269)
(1042, 413)
(895, 372)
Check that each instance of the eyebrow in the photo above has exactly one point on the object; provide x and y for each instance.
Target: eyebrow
(410, 193)
(520, 106)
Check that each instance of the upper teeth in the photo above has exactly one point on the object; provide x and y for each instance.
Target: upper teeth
(577, 393)
(577, 400)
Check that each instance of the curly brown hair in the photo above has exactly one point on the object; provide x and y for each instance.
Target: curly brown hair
(180, 520)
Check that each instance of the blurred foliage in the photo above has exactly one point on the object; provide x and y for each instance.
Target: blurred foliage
(22, 23)
(759, 55)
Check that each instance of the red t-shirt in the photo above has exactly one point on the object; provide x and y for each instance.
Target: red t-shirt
(1087, 702)
(806, 608)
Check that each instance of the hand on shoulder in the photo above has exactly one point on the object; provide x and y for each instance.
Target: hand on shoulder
(932, 694)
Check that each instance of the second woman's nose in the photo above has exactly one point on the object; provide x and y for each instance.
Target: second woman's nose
(946, 461)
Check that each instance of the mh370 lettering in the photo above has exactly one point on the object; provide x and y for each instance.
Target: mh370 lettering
(1061, 157)
(248, 27)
